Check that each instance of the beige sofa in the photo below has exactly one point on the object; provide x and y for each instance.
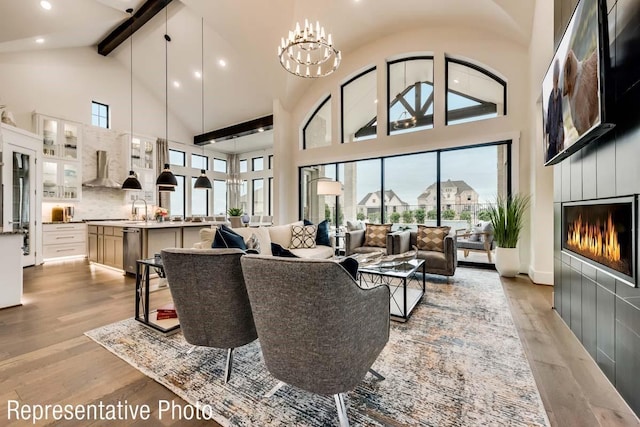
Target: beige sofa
(279, 234)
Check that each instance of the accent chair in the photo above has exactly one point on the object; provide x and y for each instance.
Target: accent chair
(318, 329)
(210, 298)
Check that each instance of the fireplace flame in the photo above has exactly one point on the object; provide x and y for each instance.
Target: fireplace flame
(594, 239)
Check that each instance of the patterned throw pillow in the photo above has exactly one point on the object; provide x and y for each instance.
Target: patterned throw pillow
(376, 235)
(253, 243)
(431, 238)
(303, 236)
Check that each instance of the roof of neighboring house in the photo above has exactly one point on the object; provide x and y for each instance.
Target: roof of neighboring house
(461, 186)
(389, 194)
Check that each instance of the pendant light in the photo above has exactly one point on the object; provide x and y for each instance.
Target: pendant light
(203, 182)
(132, 182)
(166, 177)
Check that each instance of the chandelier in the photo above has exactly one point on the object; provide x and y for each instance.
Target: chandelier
(308, 52)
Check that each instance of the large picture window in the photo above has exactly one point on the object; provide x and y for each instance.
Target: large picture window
(177, 198)
(219, 197)
(359, 107)
(317, 131)
(258, 196)
(410, 95)
(199, 200)
(473, 93)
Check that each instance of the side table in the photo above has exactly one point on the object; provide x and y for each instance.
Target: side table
(143, 313)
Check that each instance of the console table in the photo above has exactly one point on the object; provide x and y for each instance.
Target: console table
(143, 312)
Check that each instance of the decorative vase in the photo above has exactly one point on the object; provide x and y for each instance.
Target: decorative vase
(508, 261)
(245, 219)
(160, 219)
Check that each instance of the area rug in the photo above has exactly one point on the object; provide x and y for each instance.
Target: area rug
(458, 361)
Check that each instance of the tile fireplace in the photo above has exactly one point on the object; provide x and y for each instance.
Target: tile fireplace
(603, 234)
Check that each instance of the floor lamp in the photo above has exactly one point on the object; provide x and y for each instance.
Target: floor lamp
(326, 187)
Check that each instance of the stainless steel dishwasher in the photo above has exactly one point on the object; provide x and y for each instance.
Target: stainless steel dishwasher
(132, 248)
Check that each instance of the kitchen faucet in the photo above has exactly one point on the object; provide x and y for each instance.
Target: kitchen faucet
(133, 209)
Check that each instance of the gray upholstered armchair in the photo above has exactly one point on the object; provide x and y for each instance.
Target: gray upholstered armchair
(210, 297)
(435, 262)
(318, 329)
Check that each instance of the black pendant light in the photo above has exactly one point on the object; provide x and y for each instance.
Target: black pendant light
(164, 189)
(203, 182)
(132, 182)
(166, 177)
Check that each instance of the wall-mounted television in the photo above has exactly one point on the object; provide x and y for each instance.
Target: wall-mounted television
(573, 101)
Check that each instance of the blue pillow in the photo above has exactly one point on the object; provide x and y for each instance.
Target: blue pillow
(278, 250)
(227, 238)
(322, 233)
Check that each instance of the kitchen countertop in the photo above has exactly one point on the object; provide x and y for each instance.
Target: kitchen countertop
(155, 224)
(8, 232)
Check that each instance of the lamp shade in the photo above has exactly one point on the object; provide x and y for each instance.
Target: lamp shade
(166, 178)
(203, 181)
(329, 188)
(131, 183)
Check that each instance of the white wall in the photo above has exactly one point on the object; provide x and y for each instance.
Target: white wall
(507, 59)
(63, 82)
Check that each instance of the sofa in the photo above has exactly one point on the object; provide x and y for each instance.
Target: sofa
(436, 262)
(265, 236)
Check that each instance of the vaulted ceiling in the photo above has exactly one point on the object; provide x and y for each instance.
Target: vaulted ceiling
(243, 33)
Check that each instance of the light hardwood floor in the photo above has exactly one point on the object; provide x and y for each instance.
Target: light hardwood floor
(45, 358)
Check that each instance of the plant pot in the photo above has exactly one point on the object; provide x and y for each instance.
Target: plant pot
(508, 261)
(236, 221)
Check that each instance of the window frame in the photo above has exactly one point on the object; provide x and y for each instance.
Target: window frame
(206, 161)
(184, 158)
(197, 191)
(106, 117)
(226, 165)
(253, 164)
(342, 86)
(313, 115)
(477, 68)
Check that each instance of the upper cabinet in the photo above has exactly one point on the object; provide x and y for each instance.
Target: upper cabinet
(61, 149)
(142, 160)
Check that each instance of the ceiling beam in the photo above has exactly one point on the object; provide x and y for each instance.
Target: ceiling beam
(235, 131)
(148, 10)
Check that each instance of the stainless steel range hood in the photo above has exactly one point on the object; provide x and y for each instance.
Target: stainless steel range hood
(102, 180)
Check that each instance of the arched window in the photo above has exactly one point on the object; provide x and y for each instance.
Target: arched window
(410, 95)
(317, 131)
(473, 93)
(359, 107)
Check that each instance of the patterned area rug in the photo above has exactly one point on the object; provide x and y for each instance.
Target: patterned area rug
(458, 361)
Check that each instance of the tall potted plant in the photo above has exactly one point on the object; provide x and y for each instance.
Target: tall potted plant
(235, 217)
(507, 218)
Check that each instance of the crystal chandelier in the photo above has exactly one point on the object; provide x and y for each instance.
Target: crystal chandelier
(308, 52)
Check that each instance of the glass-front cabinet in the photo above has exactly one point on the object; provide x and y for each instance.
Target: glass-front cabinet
(61, 166)
(142, 155)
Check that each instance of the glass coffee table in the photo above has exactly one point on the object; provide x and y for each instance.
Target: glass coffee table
(405, 287)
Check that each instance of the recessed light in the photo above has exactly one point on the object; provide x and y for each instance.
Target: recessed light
(40, 40)
(198, 74)
(456, 81)
(45, 5)
(222, 63)
(176, 83)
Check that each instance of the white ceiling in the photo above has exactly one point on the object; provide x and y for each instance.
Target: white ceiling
(245, 33)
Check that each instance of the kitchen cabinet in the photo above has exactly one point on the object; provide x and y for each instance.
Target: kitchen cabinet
(142, 160)
(105, 245)
(62, 240)
(61, 167)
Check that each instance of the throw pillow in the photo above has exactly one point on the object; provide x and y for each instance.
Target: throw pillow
(355, 225)
(431, 238)
(278, 250)
(303, 236)
(475, 234)
(487, 228)
(227, 238)
(253, 243)
(322, 234)
(281, 234)
(376, 235)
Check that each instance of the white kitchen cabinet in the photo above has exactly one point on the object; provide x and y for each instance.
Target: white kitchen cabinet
(61, 149)
(142, 160)
(63, 240)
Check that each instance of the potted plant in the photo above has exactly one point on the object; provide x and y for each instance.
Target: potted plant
(507, 218)
(234, 217)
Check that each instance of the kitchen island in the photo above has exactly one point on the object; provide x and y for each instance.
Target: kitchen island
(118, 244)
(11, 266)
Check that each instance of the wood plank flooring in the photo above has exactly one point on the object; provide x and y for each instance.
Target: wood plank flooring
(46, 359)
